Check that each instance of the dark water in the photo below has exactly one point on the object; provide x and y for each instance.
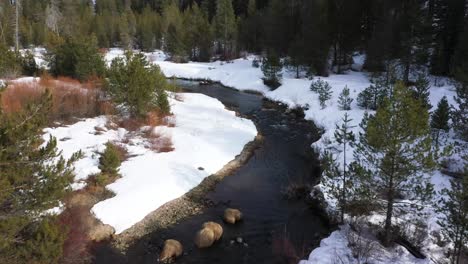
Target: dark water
(275, 230)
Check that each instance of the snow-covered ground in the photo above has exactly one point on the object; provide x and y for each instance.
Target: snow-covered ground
(241, 75)
(205, 135)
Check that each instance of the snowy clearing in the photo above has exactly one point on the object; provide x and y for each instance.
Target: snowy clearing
(206, 135)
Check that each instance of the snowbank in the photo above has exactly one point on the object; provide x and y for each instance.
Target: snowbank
(206, 135)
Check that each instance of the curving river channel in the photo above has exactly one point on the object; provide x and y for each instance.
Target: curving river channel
(275, 229)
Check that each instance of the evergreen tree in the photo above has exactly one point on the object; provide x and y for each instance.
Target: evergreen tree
(323, 89)
(109, 162)
(421, 91)
(393, 153)
(373, 96)
(33, 179)
(453, 206)
(174, 32)
(271, 68)
(9, 64)
(199, 35)
(77, 58)
(225, 27)
(315, 33)
(337, 179)
(440, 118)
(133, 81)
(460, 113)
(345, 101)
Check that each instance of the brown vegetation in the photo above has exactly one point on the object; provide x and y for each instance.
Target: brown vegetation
(71, 99)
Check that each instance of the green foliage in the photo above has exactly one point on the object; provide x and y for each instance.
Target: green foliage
(9, 64)
(33, 178)
(453, 209)
(28, 64)
(78, 58)
(344, 100)
(109, 162)
(393, 153)
(373, 96)
(199, 34)
(174, 31)
(46, 243)
(139, 85)
(225, 26)
(337, 179)
(421, 91)
(323, 89)
(441, 116)
(460, 113)
(271, 68)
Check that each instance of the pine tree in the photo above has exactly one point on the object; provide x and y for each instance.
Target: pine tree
(33, 179)
(345, 101)
(337, 179)
(453, 206)
(323, 89)
(139, 85)
(174, 32)
(373, 96)
(421, 90)
(9, 64)
(460, 113)
(77, 58)
(225, 27)
(109, 162)
(271, 68)
(393, 153)
(440, 118)
(199, 35)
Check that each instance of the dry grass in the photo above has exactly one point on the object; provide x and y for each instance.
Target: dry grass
(70, 98)
(157, 142)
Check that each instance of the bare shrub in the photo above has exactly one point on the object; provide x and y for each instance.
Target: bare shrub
(70, 98)
(363, 248)
(286, 250)
(159, 143)
(415, 232)
(75, 248)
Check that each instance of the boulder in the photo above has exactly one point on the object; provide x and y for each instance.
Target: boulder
(217, 229)
(171, 250)
(231, 216)
(205, 238)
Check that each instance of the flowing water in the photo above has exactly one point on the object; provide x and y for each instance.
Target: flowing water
(274, 229)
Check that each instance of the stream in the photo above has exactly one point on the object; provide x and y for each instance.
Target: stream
(274, 229)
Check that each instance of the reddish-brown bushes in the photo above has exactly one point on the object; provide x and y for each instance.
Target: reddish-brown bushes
(157, 142)
(70, 97)
(76, 221)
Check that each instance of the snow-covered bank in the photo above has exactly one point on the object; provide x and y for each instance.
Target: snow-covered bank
(241, 75)
(205, 137)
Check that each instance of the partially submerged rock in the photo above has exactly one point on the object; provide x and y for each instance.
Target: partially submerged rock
(172, 249)
(205, 238)
(210, 233)
(231, 216)
(217, 229)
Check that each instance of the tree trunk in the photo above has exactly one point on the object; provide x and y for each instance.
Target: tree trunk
(17, 25)
(343, 191)
(388, 222)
